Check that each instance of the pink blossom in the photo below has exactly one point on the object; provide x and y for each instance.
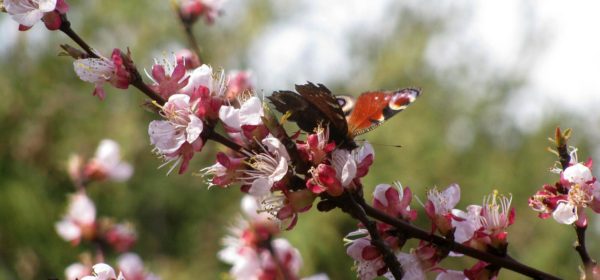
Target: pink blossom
(101, 70)
(267, 167)
(250, 113)
(496, 217)
(344, 163)
(247, 250)
(244, 123)
(369, 261)
(77, 271)
(466, 223)
(394, 201)
(132, 268)
(192, 10)
(178, 137)
(567, 199)
(451, 275)
(317, 146)
(412, 266)
(439, 206)
(169, 76)
(324, 179)
(107, 163)
(578, 174)
(103, 271)
(238, 83)
(225, 171)
(121, 237)
(565, 213)
(189, 58)
(28, 12)
(80, 220)
(364, 157)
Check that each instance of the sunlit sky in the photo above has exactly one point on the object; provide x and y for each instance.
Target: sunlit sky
(311, 42)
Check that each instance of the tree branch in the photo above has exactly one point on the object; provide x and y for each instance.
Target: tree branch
(136, 79)
(348, 204)
(414, 232)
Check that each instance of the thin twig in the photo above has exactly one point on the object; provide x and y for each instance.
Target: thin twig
(136, 79)
(189, 34)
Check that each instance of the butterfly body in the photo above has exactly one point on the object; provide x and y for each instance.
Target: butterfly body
(315, 105)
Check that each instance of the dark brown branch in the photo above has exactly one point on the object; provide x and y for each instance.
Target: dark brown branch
(580, 247)
(136, 78)
(411, 231)
(65, 27)
(348, 204)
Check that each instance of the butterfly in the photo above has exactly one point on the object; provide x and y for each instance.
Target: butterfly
(346, 118)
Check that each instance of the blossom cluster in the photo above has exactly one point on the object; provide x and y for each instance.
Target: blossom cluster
(254, 251)
(80, 222)
(483, 227)
(130, 266)
(566, 199)
(28, 12)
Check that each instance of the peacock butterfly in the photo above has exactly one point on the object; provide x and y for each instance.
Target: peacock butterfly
(315, 105)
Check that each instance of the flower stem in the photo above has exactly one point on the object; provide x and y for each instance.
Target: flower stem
(580, 247)
(189, 34)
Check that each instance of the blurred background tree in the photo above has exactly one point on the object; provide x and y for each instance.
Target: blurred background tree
(466, 128)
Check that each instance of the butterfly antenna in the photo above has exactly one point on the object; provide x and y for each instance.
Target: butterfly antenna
(379, 144)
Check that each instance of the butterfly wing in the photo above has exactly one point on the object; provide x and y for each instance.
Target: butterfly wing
(321, 98)
(347, 103)
(374, 108)
(298, 109)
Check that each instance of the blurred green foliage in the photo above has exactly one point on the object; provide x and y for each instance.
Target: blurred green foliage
(46, 114)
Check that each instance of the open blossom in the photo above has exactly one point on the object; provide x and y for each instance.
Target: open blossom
(107, 163)
(247, 250)
(394, 201)
(121, 237)
(324, 179)
(225, 171)
(496, 214)
(102, 70)
(189, 58)
(317, 146)
(178, 137)
(466, 223)
(367, 258)
(192, 10)
(28, 12)
(439, 207)
(80, 220)
(208, 88)
(566, 200)
(238, 82)
(169, 76)
(132, 268)
(266, 168)
(103, 271)
(77, 271)
(245, 122)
